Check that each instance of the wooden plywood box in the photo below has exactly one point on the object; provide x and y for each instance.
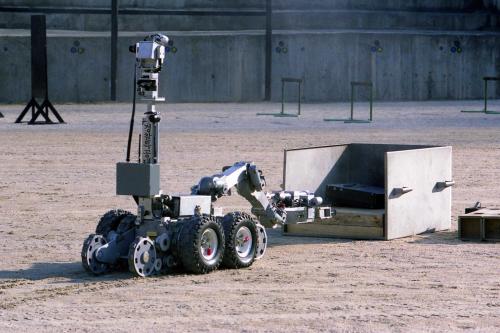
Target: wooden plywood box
(346, 223)
(416, 179)
(481, 225)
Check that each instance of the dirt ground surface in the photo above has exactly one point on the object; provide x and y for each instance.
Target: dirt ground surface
(56, 181)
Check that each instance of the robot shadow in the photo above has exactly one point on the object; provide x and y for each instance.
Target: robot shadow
(71, 272)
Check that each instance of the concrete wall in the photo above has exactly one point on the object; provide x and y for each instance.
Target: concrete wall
(282, 19)
(217, 67)
(140, 3)
(493, 4)
(278, 4)
(403, 46)
(206, 68)
(288, 14)
(409, 66)
(230, 66)
(72, 76)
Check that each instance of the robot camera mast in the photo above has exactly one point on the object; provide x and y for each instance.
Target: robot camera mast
(150, 55)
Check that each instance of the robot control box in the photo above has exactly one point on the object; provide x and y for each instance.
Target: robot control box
(137, 179)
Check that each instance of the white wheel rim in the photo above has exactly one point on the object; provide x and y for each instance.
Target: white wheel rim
(243, 242)
(144, 257)
(209, 244)
(261, 241)
(97, 242)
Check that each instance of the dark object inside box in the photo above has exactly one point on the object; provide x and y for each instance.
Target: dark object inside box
(356, 195)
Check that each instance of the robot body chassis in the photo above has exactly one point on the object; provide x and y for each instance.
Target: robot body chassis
(184, 230)
(181, 230)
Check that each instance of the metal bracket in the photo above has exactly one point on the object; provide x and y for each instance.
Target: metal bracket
(445, 184)
(117, 247)
(401, 190)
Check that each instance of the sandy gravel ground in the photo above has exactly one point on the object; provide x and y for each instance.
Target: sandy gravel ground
(55, 182)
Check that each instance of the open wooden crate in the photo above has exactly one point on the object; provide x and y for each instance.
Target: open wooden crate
(426, 170)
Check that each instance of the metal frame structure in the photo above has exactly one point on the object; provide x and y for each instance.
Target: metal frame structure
(115, 11)
(351, 119)
(282, 113)
(39, 81)
(485, 110)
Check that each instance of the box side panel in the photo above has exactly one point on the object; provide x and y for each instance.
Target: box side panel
(427, 207)
(313, 168)
(469, 228)
(336, 231)
(492, 228)
(367, 161)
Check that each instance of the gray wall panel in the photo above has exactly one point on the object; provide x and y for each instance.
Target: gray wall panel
(425, 209)
(312, 169)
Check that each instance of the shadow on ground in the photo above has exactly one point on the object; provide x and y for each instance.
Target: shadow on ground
(276, 238)
(441, 237)
(73, 271)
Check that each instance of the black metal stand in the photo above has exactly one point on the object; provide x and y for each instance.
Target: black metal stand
(39, 84)
(41, 110)
(351, 120)
(282, 113)
(485, 109)
(268, 50)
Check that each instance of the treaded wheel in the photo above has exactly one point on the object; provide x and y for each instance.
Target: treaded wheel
(117, 220)
(201, 244)
(241, 240)
(111, 220)
(89, 248)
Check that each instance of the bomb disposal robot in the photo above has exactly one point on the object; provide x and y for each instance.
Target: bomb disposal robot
(184, 230)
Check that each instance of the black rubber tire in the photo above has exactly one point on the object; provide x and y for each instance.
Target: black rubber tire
(116, 220)
(232, 222)
(189, 242)
(111, 220)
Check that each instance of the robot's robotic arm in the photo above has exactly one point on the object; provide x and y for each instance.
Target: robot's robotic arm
(249, 183)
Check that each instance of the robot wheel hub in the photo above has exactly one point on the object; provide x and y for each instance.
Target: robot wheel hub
(209, 244)
(145, 257)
